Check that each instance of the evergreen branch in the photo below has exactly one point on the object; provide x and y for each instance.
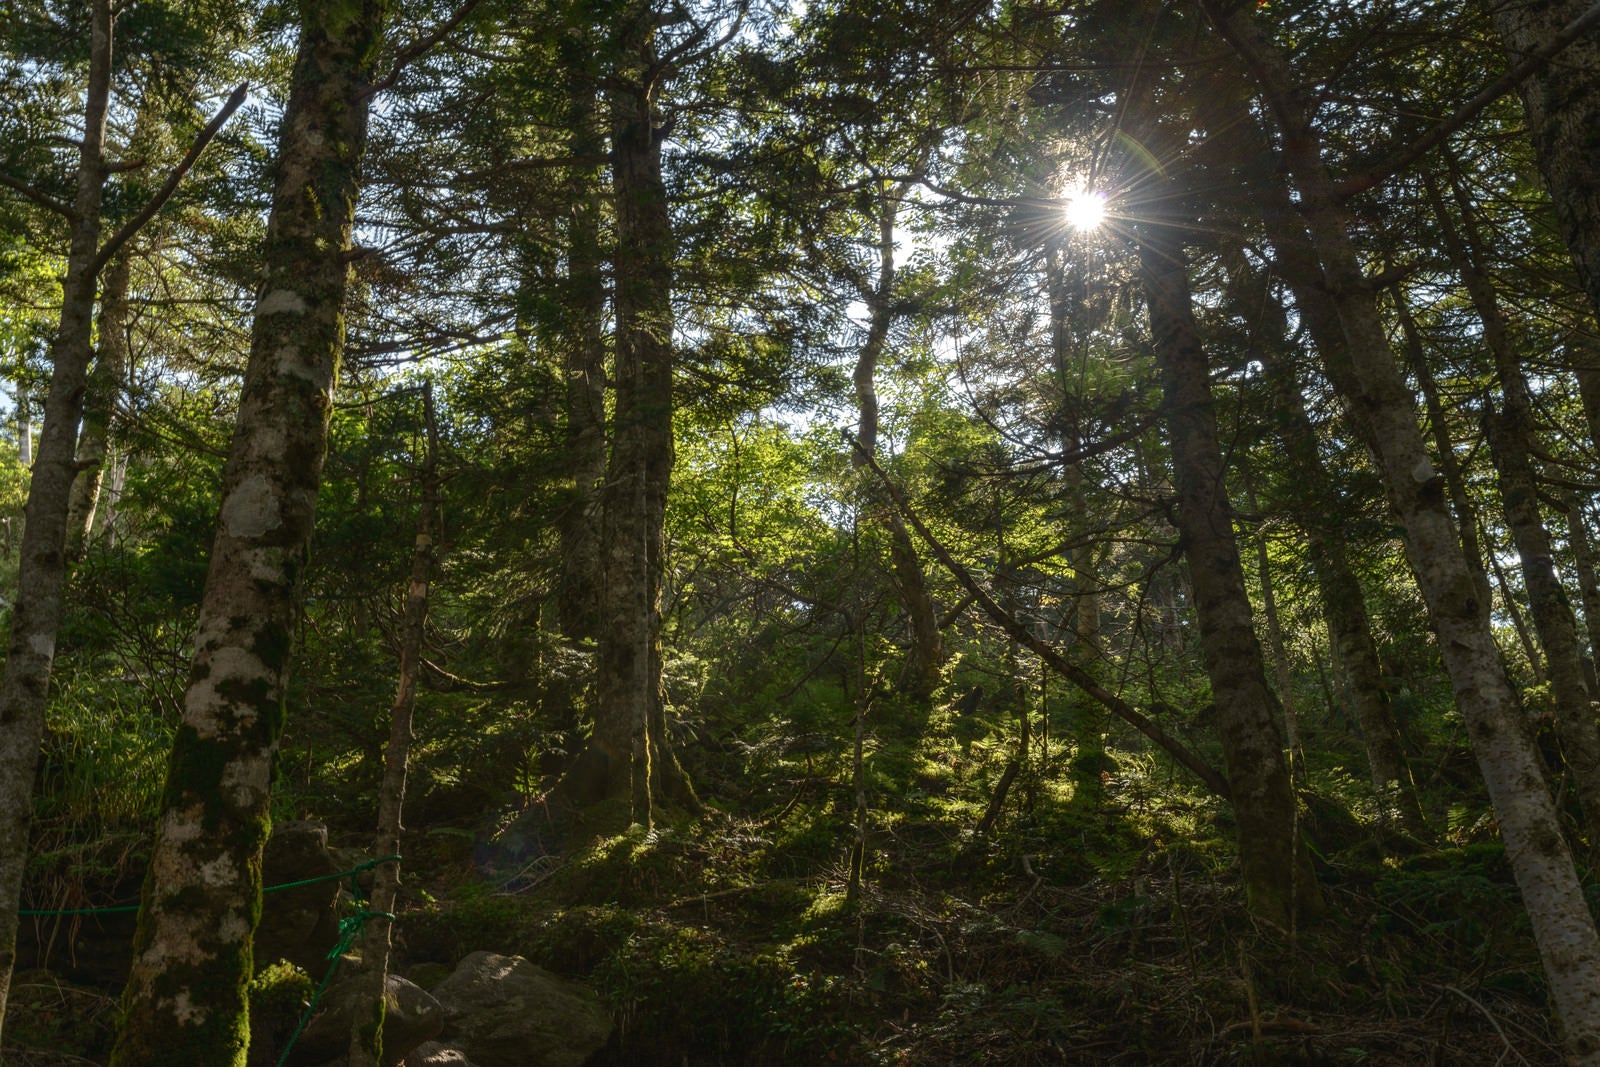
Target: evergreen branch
(38, 196)
(1208, 775)
(416, 50)
(1440, 132)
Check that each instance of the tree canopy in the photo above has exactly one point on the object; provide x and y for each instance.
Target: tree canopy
(891, 533)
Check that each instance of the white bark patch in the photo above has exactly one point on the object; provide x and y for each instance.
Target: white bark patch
(246, 780)
(1423, 471)
(251, 509)
(186, 1011)
(281, 302)
(233, 928)
(218, 872)
(179, 827)
(43, 645)
(228, 664)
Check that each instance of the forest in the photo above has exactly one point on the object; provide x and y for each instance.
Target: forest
(701, 532)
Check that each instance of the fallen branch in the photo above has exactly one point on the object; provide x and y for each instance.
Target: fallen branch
(1209, 775)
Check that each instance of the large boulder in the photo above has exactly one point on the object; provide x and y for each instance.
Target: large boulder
(300, 925)
(502, 1011)
(410, 1018)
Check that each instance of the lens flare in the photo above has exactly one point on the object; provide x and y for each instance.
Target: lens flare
(1085, 210)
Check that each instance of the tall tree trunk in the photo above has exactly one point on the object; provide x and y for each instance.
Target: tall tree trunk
(1280, 655)
(921, 675)
(42, 568)
(1344, 601)
(1535, 846)
(105, 384)
(629, 753)
(583, 342)
(1511, 442)
(1069, 349)
(1584, 562)
(1274, 865)
(1513, 610)
(1562, 101)
(366, 1037)
(1455, 479)
(185, 1001)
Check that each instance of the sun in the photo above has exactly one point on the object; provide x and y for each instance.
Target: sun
(1085, 210)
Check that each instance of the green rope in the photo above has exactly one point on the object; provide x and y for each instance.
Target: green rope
(350, 928)
(124, 909)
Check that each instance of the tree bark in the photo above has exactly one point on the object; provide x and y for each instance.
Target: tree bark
(104, 386)
(1535, 846)
(1444, 450)
(185, 1001)
(36, 618)
(366, 1037)
(583, 343)
(1318, 513)
(1584, 562)
(629, 753)
(1274, 866)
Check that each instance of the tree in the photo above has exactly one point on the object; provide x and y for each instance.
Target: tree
(1544, 869)
(1275, 867)
(185, 1001)
(24, 688)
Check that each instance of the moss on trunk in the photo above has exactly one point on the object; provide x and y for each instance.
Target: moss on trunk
(185, 1002)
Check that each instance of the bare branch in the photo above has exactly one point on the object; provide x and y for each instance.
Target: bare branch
(148, 212)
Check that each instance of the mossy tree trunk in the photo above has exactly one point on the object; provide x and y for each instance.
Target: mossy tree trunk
(42, 569)
(1540, 860)
(1275, 868)
(185, 1001)
(629, 753)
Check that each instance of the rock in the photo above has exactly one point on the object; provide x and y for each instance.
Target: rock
(411, 1018)
(428, 975)
(299, 925)
(502, 1011)
(435, 1054)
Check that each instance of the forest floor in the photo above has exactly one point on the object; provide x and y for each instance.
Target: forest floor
(1112, 936)
(1117, 937)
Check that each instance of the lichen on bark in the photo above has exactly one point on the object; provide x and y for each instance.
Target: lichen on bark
(185, 1002)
